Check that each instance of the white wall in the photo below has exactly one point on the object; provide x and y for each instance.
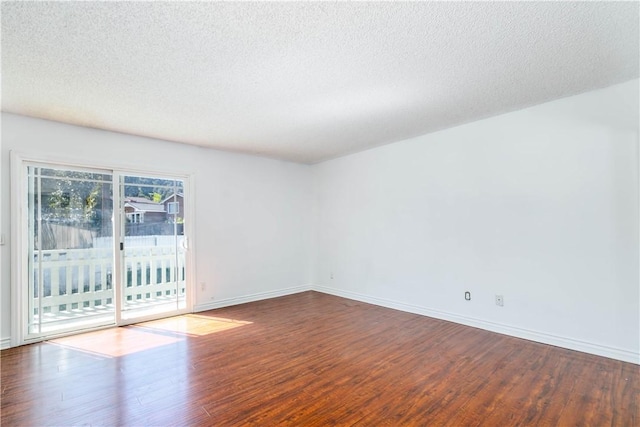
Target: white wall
(252, 214)
(539, 205)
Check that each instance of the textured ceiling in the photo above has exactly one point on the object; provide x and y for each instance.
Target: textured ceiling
(304, 81)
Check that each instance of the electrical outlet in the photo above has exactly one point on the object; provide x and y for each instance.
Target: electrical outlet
(332, 276)
(500, 300)
(467, 296)
(202, 286)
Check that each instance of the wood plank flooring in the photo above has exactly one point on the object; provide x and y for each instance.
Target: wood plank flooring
(312, 359)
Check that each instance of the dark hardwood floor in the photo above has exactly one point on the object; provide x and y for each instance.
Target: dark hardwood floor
(311, 360)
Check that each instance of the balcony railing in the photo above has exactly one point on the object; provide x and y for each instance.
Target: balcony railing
(79, 282)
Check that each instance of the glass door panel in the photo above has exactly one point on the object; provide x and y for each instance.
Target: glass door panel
(153, 250)
(70, 250)
(76, 278)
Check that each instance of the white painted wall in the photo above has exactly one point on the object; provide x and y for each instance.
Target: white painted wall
(539, 205)
(252, 214)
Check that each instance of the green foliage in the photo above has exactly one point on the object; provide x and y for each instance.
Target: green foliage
(72, 196)
(78, 197)
(150, 187)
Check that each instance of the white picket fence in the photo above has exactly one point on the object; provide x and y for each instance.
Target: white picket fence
(79, 282)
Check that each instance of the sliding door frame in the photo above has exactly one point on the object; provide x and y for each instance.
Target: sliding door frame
(20, 247)
(124, 315)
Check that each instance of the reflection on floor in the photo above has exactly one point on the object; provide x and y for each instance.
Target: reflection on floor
(121, 341)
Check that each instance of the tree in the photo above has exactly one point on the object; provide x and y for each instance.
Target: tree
(71, 196)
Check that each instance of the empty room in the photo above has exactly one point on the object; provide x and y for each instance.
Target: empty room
(320, 214)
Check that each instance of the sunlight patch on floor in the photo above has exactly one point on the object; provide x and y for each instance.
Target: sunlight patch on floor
(193, 324)
(115, 342)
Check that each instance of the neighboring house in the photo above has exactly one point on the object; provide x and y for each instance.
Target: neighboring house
(139, 210)
(174, 198)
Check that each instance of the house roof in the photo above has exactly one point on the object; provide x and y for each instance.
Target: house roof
(138, 199)
(304, 81)
(168, 198)
(143, 205)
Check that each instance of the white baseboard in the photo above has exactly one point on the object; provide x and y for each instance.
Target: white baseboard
(251, 298)
(5, 343)
(541, 337)
(531, 335)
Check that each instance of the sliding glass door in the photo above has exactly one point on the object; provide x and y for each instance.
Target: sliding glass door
(83, 272)
(70, 249)
(153, 255)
